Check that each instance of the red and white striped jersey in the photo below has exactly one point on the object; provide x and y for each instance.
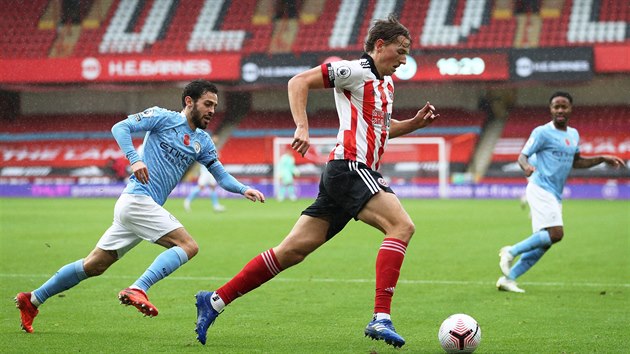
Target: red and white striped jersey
(364, 103)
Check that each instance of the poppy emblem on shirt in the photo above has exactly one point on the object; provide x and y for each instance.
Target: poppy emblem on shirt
(568, 142)
(186, 139)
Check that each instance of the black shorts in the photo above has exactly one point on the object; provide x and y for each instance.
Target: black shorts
(344, 189)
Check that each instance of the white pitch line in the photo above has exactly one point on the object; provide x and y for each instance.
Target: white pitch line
(334, 280)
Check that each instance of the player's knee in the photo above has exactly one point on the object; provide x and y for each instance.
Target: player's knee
(94, 269)
(406, 230)
(191, 248)
(556, 234)
(291, 257)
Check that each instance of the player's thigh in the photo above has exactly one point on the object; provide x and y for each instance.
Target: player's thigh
(545, 209)
(307, 235)
(385, 212)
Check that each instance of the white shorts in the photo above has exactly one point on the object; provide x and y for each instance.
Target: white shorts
(206, 178)
(136, 218)
(546, 210)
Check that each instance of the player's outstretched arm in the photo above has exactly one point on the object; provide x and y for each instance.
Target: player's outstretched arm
(587, 162)
(425, 116)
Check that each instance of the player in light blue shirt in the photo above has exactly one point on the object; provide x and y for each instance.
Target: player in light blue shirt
(556, 148)
(173, 142)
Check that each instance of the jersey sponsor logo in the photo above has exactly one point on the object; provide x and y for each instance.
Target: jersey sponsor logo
(343, 72)
(378, 117)
(197, 146)
(175, 156)
(138, 117)
(382, 182)
(186, 139)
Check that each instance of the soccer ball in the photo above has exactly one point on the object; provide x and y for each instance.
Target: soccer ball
(459, 333)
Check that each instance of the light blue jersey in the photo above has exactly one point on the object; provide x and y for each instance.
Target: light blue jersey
(169, 148)
(555, 150)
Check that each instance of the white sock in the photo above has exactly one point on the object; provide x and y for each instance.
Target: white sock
(217, 302)
(382, 316)
(34, 300)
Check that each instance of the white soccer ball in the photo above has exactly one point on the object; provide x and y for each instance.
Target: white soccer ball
(459, 333)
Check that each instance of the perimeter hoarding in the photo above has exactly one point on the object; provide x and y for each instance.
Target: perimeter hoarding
(217, 67)
(551, 64)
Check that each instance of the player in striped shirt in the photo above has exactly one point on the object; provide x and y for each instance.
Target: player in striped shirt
(173, 142)
(350, 185)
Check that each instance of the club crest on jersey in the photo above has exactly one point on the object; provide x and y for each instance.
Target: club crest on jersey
(343, 72)
(148, 112)
(186, 139)
(382, 182)
(197, 146)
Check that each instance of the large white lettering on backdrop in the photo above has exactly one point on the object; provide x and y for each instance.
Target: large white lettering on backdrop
(118, 39)
(437, 27)
(436, 31)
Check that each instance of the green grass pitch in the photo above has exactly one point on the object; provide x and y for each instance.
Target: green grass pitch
(577, 300)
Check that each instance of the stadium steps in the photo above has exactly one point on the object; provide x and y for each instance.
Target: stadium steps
(528, 29)
(499, 103)
(284, 35)
(66, 40)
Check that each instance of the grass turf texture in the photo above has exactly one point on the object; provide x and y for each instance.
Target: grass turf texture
(577, 298)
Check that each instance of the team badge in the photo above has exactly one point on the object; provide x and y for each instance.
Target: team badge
(186, 139)
(382, 182)
(343, 72)
(148, 113)
(197, 146)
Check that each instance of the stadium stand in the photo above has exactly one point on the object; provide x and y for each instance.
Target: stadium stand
(111, 27)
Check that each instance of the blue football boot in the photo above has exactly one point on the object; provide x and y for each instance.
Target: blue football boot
(384, 330)
(206, 315)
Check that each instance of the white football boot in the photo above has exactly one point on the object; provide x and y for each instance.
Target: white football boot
(505, 284)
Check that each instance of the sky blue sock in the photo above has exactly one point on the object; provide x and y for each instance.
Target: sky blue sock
(163, 265)
(193, 193)
(527, 260)
(539, 239)
(66, 277)
(215, 197)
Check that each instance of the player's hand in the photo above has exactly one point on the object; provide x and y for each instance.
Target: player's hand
(140, 170)
(254, 195)
(301, 142)
(529, 170)
(426, 115)
(614, 161)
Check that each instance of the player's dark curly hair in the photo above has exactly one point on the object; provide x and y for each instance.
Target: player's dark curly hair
(197, 88)
(387, 30)
(561, 94)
